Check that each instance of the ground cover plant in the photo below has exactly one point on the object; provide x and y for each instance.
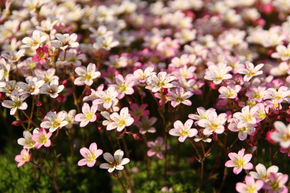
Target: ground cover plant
(181, 96)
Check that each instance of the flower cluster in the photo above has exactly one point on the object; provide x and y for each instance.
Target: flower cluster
(130, 74)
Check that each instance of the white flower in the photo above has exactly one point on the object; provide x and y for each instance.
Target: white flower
(107, 98)
(282, 52)
(65, 41)
(54, 121)
(32, 86)
(183, 130)
(16, 102)
(106, 42)
(247, 116)
(52, 89)
(213, 124)
(14, 56)
(114, 162)
(120, 121)
(88, 114)
(281, 134)
(47, 75)
(244, 130)
(35, 41)
(202, 114)
(86, 75)
(27, 141)
(279, 95)
(156, 82)
(4, 69)
(70, 118)
(250, 71)
(230, 92)
(218, 73)
(262, 173)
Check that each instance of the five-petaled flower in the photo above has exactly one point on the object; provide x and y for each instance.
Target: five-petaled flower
(90, 155)
(239, 161)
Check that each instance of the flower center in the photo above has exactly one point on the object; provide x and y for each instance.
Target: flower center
(184, 132)
(121, 122)
(89, 116)
(240, 163)
(42, 139)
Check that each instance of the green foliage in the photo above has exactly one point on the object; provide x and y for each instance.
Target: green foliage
(68, 177)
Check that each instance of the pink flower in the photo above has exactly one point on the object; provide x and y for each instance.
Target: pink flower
(137, 111)
(87, 115)
(90, 155)
(276, 183)
(42, 54)
(23, 157)
(156, 148)
(251, 186)
(239, 161)
(42, 138)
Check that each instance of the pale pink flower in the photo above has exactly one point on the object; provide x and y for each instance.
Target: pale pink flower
(183, 130)
(137, 111)
(41, 138)
(250, 185)
(213, 124)
(23, 157)
(230, 92)
(120, 120)
(146, 125)
(239, 161)
(88, 114)
(86, 75)
(244, 130)
(107, 98)
(218, 73)
(277, 183)
(250, 71)
(124, 86)
(90, 155)
(179, 96)
(162, 80)
(247, 116)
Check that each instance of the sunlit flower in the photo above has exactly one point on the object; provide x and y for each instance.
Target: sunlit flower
(54, 121)
(250, 185)
(16, 102)
(88, 114)
(115, 162)
(218, 73)
(120, 120)
(27, 141)
(183, 130)
(250, 70)
(87, 75)
(262, 173)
